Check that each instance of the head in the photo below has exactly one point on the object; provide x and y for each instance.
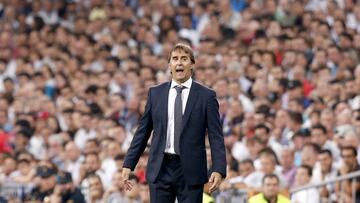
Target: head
(299, 139)
(309, 154)
(287, 158)
(24, 167)
(325, 159)
(47, 177)
(113, 149)
(349, 155)
(92, 163)
(134, 192)
(92, 146)
(9, 165)
(303, 175)
(246, 167)
(72, 151)
(181, 62)
(117, 179)
(64, 181)
(268, 160)
(319, 134)
(262, 131)
(295, 120)
(255, 145)
(271, 185)
(96, 188)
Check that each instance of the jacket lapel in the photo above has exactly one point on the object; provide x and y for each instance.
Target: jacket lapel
(193, 97)
(164, 103)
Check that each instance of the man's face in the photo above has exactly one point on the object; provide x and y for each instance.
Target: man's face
(348, 157)
(267, 164)
(302, 177)
(325, 162)
(92, 164)
(318, 136)
(180, 66)
(271, 187)
(95, 187)
(261, 132)
(117, 180)
(47, 183)
(287, 158)
(308, 156)
(246, 169)
(66, 188)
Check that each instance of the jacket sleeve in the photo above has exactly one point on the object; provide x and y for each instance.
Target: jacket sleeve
(215, 135)
(141, 137)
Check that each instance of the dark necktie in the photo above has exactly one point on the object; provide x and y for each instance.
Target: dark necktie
(177, 118)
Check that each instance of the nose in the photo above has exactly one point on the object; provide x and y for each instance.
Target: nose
(178, 63)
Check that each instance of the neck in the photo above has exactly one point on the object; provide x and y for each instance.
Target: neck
(272, 199)
(326, 171)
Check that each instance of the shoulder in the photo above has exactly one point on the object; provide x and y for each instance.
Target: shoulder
(162, 85)
(259, 198)
(159, 87)
(202, 88)
(283, 199)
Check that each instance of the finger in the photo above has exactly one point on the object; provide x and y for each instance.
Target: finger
(212, 187)
(215, 185)
(211, 178)
(128, 185)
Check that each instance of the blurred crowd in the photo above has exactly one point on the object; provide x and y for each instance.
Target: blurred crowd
(74, 76)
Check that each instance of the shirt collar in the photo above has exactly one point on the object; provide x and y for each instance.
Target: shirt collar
(186, 84)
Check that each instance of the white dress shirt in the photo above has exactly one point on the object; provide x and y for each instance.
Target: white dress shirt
(169, 148)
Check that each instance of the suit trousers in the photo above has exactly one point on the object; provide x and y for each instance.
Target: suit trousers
(170, 184)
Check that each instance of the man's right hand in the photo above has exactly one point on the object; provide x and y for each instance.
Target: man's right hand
(127, 185)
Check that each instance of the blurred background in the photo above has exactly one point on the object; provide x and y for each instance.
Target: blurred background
(74, 76)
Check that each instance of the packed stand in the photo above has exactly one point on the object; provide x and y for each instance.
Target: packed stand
(74, 77)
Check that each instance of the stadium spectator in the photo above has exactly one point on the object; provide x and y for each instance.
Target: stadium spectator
(74, 75)
(270, 191)
(303, 177)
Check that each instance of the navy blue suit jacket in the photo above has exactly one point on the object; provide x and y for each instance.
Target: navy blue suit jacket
(201, 115)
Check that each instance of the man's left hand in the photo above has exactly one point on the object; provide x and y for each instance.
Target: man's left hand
(215, 180)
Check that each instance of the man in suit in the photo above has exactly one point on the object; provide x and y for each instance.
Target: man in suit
(179, 113)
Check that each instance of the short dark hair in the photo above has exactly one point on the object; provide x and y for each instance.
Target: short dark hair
(314, 146)
(353, 149)
(320, 127)
(247, 161)
(270, 176)
(262, 126)
(295, 117)
(326, 151)
(133, 177)
(307, 168)
(92, 154)
(93, 140)
(186, 48)
(267, 151)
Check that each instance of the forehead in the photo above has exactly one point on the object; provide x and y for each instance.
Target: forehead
(180, 52)
(245, 165)
(347, 151)
(324, 156)
(317, 131)
(302, 170)
(270, 181)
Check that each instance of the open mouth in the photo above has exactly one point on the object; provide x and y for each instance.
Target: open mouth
(179, 70)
